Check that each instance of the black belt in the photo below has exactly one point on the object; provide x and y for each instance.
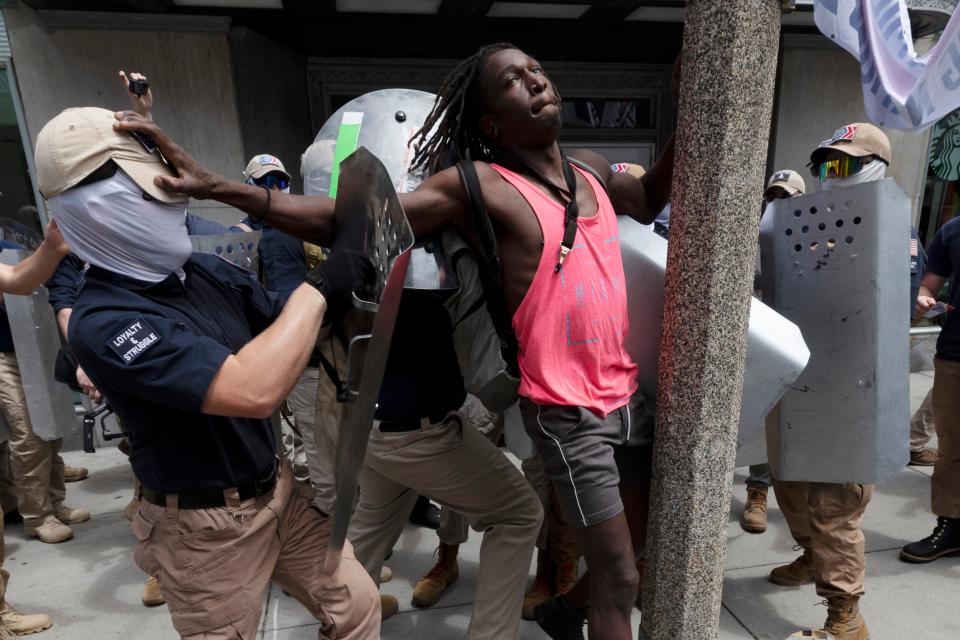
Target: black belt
(213, 499)
(402, 426)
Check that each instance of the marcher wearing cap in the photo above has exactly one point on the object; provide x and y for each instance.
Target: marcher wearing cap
(825, 517)
(782, 184)
(169, 339)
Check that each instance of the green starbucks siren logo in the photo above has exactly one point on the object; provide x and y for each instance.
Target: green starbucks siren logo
(945, 148)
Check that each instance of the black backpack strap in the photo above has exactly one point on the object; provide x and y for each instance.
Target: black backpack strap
(580, 164)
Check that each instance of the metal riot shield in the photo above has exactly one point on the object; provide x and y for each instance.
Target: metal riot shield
(37, 340)
(365, 189)
(240, 249)
(776, 352)
(837, 264)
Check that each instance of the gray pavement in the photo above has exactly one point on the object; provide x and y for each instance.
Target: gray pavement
(91, 587)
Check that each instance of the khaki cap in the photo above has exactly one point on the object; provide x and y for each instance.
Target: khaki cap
(79, 141)
(858, 139)
(262, 164)
(789, 181)
(635, 170)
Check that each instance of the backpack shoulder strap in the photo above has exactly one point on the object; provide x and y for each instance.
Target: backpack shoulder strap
(580, 164)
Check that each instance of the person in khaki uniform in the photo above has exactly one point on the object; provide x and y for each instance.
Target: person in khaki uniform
(168, 339)
(21, 279)
(424, 443)
(825, 517)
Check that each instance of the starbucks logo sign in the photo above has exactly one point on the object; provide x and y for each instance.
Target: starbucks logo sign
(945, 148)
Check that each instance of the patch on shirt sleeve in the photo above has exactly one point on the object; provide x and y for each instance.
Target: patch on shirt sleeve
(133, 341)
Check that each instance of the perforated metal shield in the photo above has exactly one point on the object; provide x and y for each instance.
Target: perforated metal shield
(776, 352)
(37, 341)
(365, 190)
(837, 264)
(237, 248)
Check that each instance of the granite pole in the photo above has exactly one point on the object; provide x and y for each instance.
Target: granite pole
(730, 50)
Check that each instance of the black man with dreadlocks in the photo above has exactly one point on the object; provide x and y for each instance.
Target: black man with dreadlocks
(562, 282)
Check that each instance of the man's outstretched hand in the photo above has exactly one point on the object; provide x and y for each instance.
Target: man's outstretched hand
(194, 179)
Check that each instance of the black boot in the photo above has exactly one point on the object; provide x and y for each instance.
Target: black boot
(425, 514)
(560, 620)
(945, 540)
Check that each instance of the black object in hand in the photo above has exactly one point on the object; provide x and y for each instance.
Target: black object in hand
(139, 87)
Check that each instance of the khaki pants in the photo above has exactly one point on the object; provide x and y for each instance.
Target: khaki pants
(945, 485)
(4, 576)
(8, 490)
(213, 565)
(302, 403)
(921, 424)
(36, 464)
(825, 518)
(319, 431)
(455, 465)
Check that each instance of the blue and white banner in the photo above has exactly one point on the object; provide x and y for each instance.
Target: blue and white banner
(901, 90)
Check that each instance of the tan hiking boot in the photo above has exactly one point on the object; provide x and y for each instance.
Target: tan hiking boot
(924, 457)
(542, 588)
(754, 517)
(388, 607)
(69, 515)
(23, 624)
(74, 474)
(386, 574)
(50, 531)
(151, 593)
(443, 574)
(798, 572)
(844, 621)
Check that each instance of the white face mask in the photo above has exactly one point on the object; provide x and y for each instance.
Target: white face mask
(876, 170)
(109, 224)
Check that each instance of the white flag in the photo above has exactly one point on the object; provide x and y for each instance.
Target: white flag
(901, 90)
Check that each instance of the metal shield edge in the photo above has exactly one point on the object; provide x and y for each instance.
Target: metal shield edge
(364, 182)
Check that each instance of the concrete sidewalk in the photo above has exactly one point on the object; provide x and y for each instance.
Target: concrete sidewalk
(91, 587)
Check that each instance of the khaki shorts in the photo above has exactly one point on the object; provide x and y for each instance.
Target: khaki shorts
(589, 458)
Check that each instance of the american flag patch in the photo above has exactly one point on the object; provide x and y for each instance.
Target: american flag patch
(844, 133)
(619, 167)
(781, 176)
(267, 160)
(914, 248)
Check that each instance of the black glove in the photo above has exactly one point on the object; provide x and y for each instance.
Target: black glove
(345, 271)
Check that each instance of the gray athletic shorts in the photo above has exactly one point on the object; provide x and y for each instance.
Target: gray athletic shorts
(589, 458)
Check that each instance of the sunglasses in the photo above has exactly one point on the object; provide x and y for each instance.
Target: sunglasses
(272, 180)
(839, 168)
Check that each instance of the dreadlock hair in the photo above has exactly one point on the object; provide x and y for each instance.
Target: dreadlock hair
(455, 113)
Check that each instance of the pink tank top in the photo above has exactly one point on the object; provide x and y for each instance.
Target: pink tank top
(571, 325)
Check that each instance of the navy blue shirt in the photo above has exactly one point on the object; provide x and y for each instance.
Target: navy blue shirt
(153, 349)
(422, 377)
(943, 257)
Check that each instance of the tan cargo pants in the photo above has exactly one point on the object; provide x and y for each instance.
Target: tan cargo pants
(213, 565)
(36, 464)
(945, 485)
(825, 518)
(921, 424)
(452, 463)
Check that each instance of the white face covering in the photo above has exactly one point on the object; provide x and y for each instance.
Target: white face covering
(876, 170)
(109, 224)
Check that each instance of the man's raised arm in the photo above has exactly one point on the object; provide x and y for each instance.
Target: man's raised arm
(306, 217)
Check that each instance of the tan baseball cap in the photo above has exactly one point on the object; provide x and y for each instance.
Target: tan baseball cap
(858, 139)
(79, 141)
(633, 169)
(262, 164)
(789, 181)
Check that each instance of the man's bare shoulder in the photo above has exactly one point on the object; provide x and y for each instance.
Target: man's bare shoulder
(596, 161)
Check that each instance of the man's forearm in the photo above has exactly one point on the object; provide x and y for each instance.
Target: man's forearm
(254, 382)
(308, 218)
(31, 272)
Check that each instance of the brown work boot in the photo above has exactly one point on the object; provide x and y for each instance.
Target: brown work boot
(542, 588)
(844, 621)
(798, 572)
(443, 574)
(74, 474)
(23, 624)
(50, 530)
(388, 607)
(924, 457)
(754, 517)
(386, 574)
(69, 515)
(151, 593)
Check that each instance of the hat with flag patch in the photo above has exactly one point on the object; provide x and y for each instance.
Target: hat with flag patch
(789, 181)
(859, 139)
(262, 164)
